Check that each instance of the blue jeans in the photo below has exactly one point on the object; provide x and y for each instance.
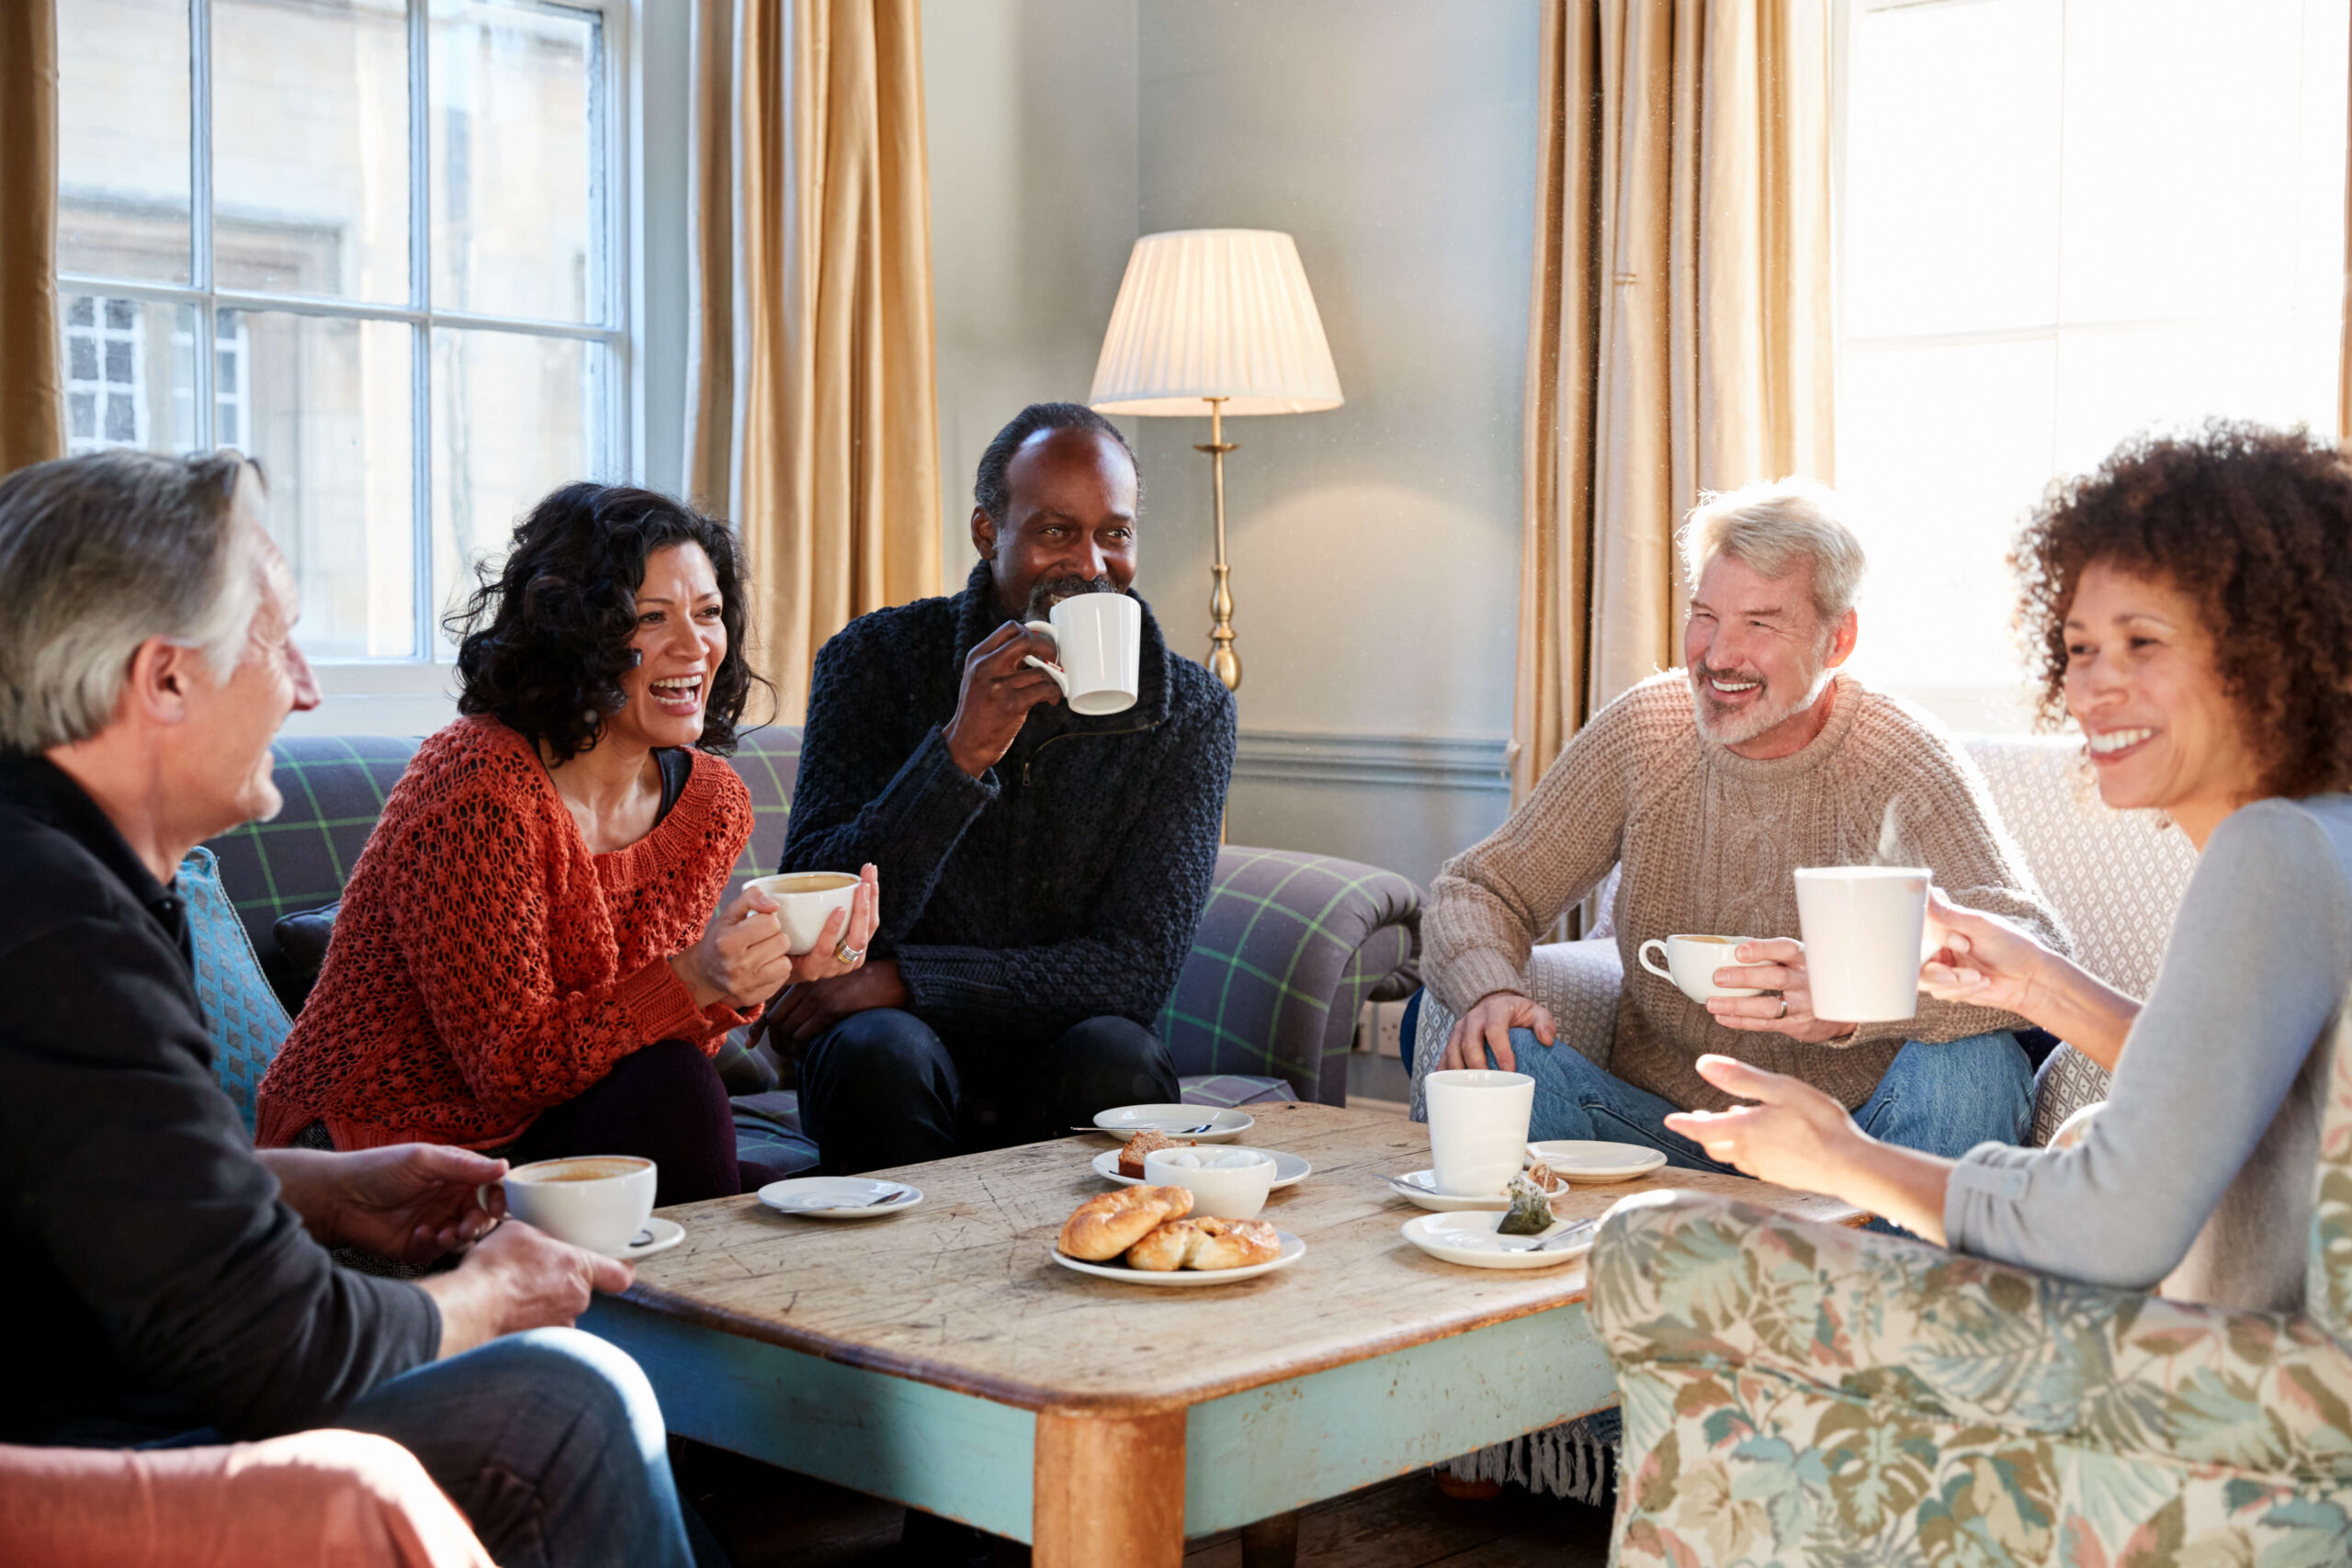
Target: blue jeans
(551, 1444)
(1940, 1100)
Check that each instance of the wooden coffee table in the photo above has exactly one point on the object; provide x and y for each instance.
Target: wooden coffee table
(941, 1359)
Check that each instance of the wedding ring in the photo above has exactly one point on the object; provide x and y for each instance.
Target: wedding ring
(844, 952)
(1784, 1009)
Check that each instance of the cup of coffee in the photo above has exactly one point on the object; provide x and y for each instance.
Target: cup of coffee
(1691, 963)
(1097, 642)
(1864, 928)
(809, 899)
(1229, 1184)
(1478, 1129)
(598, 1202)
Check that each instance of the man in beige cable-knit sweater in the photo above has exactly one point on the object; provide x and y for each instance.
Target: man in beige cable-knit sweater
(1710, 785)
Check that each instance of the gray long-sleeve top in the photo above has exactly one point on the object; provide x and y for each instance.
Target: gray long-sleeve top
(2198, 1173)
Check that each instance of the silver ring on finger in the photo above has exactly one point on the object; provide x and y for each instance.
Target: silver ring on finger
(1784, 1009)
(844, 952)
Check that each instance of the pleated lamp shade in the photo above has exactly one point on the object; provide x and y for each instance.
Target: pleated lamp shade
(1214, 313)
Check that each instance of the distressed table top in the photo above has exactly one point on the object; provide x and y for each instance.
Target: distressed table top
(960, 1291)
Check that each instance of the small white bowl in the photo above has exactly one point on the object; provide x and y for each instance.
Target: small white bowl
(1225, 1184)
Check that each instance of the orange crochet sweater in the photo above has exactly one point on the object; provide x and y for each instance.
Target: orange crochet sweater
(485, 965)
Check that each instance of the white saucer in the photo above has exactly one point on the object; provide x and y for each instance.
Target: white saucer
(1292, 1250)
(659, 1235)
(1289, 1169)
(1419, 1188)
(838, 1196)
(1124, 1122)
(1469, 1239)
(1581, 1160)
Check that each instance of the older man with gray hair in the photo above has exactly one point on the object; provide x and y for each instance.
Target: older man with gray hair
(170, 1283)
(1707, 787)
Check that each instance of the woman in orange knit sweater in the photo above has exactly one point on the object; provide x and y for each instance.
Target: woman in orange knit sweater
(527, 962)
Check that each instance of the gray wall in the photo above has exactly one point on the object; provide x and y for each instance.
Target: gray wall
(1375, 547)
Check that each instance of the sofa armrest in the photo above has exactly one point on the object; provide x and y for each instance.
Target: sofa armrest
(1709, 1297)
(1577, 982)
(1289, 948)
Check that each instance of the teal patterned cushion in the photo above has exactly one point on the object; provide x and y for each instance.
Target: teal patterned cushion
(247, 1021)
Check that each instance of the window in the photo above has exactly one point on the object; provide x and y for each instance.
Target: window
(392, 225)
(2062, 221)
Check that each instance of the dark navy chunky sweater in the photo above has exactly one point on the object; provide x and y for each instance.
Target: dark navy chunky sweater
(1062, 885)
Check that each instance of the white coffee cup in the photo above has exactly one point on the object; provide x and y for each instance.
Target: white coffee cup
(809, 899)
(1863, 928)
(1478, 1129)
(1691, 963)
(1230, 1184)
(1098, 639)
(598, 1202)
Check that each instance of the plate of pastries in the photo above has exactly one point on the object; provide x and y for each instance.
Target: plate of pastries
(1146, 1235)
(1124, 1164)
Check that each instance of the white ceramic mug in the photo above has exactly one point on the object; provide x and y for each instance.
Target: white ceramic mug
(809, 899)
(598, 1202)
(1863, 928)
(1691, 963)
(1478, 1129)
(1231, 1184)
(1097, 642)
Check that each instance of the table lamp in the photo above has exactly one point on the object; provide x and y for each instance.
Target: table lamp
(1220, 317)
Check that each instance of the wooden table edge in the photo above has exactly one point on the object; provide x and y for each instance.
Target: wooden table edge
(1043, 1398)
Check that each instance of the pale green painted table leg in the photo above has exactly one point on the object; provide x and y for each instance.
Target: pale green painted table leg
(1247, 1456)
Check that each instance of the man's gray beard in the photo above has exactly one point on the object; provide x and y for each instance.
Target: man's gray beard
(1744, 727)
(1047, 592)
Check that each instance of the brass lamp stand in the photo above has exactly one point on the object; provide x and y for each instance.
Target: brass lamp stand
(1224, 663)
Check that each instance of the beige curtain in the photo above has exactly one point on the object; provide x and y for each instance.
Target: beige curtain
(815, 422)
(32, 393)
(1680, 329)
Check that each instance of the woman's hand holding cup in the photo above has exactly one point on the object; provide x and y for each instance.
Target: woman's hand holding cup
(745, 957)
(1979, 959)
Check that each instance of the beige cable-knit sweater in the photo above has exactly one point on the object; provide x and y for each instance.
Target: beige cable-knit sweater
(1708, 840)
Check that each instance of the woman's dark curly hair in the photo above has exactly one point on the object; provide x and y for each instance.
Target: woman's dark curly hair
(544, 640)
(2256, 525)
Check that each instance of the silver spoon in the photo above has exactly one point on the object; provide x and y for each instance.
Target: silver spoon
(1165, 1132)
(1576, 1232)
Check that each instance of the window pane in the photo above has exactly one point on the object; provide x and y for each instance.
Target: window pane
(122, 135)
(309, 147)
(1952, 168)
(512, 419)
(516, 160)
(130, 374)
(326, 404)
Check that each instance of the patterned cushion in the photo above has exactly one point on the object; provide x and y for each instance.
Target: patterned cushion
(1233, 1088)
(334, 788)
(2116, 877)
(1290, 948)
(767, 1128)
(247, 1023)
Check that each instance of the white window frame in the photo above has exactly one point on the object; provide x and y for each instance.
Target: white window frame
(98, 388)
(421, 678)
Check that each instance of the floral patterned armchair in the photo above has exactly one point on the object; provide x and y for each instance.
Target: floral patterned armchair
(1803, 1394)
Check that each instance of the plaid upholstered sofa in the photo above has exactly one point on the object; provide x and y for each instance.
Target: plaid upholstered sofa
(1288, 950)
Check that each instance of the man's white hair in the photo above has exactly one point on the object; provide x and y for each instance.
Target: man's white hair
(1771, 526)
(101, 552)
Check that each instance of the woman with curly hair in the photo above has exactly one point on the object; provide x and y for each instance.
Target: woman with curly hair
(527, 962)
(2191, 606)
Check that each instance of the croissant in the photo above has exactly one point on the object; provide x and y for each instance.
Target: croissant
(1104, 1226)
(1207, 1242)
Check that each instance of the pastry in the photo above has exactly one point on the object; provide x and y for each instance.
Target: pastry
(1543, 1175)
(1143, 1143)
(1102, 1228)
(1207, 1242)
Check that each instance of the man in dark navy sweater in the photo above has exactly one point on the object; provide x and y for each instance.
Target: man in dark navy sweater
(166, 1280)
(1042, 872)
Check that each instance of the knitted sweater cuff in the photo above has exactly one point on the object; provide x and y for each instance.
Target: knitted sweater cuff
(1479, 973)
(964, 986)
(660, 1005)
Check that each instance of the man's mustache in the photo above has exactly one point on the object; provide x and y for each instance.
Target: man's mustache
(1048, 592)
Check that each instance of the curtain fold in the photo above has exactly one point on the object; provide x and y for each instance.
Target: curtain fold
(1680, 326)
(32, 394)
(814, 402)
